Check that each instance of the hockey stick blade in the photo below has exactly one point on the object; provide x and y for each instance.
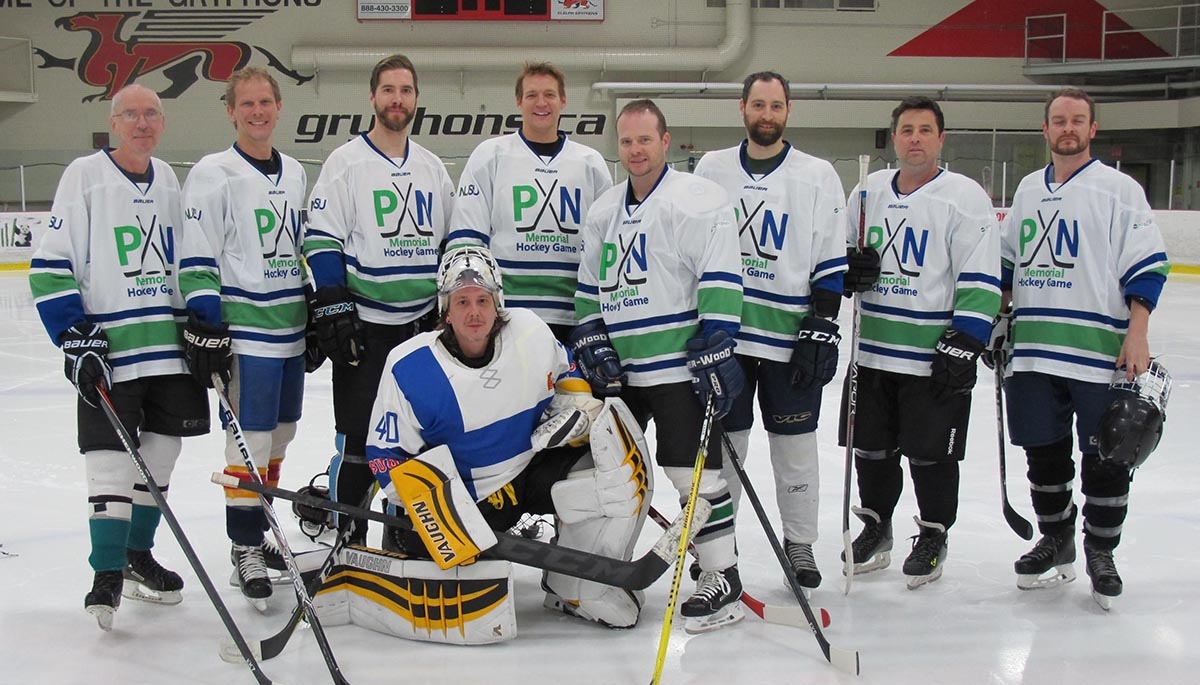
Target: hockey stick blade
(638, 574)
(1016, 522)
(771, 613)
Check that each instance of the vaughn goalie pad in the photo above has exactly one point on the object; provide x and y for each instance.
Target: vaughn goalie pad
(601, 509)
(415, 600)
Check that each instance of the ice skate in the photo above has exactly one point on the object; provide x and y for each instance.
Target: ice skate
(1106, 583)
(277, 570)
(1053, 552)
(715, 602)
(804, 566)
(104, 598)
(924, 564)
(250, 574)
(624, 604)
(146, 580)
(873, 546)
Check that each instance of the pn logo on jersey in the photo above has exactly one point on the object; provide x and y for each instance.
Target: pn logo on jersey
(184, 46)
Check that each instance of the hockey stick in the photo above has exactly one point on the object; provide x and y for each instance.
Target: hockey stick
(771, 613)
(271, 647)
(302, 596)
(864, 162)
(842, 659)
(681, 553)
(1018, 523)
(638, 574)
(169, 516)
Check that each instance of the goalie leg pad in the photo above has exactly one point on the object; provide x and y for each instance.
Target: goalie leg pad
(415, 600)
(442, 511)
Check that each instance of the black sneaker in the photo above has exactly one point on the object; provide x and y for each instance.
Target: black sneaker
(146, 579)
(804, 566)
(924, 564)
(104, 597)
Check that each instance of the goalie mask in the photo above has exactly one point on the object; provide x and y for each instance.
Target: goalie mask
(465, 267)
(1133, 423)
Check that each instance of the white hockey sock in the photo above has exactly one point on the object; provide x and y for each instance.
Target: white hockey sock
(797, 484)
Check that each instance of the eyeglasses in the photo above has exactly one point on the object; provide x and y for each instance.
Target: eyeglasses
(152, 116)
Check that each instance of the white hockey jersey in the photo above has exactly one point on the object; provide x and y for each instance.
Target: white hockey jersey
(427, 398)
(790, 225)
(243, 237)
(1072, 254)
(529, 210)
(376, 224)
(110, 258)
(939, 250)
(659, 271)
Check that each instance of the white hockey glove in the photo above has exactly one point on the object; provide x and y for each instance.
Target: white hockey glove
(569, 417)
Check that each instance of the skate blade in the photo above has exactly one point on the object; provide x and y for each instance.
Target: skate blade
(880, 561)
(915, 582)
(103, 614)
(1104, 601)
(1061, 576)
(259, 603)
(787, 584)
(279, 577)
(135, 590)
(725, 616)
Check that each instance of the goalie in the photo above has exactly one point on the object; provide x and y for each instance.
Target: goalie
(486, 419)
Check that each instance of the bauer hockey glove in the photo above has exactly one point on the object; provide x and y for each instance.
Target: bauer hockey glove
(335, 318)
(815, 353)
(953, 369)
(596, 358)
(715, 371)
(1000, 346)
(862, 270)
(86, 348)
(207, 350)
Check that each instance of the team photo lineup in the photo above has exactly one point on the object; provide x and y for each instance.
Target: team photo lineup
(500, 348)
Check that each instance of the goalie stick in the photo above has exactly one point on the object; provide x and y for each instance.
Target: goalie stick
(638, 574)
(864, 164)
(842, 659)
(771, 613)
(302, 595)
(173, 523)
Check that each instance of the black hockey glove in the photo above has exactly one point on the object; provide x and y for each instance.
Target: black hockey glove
(862, 270)
(313, 356)
(1000, 345)
(815, 353)
(335, 318)
(596, 358)
(207, 350)
(953, 369)
(715, 371)
(86, 348)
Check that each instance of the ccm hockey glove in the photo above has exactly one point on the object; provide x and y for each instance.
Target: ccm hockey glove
(862, 270)
(207, 350)
(338, 328)
(596, 358)
(953, 370)
(715, 371)
(86, 348)
(815, 353)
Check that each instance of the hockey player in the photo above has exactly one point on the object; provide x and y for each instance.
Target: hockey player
(1085, 264)
(789, 206)
(488, 405)
(659, 300)
(525, 195)
(246, 316)
(924, 324)
(105, 284)
(377, 218)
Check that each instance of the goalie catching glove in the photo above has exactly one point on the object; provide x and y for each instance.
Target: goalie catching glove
(569, 417)
(86, 348)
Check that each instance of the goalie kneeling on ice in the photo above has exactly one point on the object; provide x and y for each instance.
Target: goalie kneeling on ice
(414, 599)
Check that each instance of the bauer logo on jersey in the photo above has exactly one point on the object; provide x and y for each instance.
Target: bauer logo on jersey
(146, 252)
(902, 250)
(623, 268)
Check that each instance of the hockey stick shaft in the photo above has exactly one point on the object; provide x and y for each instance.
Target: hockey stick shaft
(689, 509)
(864, 163)
(110, 411)
(842, 659)
(302, 595)
(770, 613)
(1019, 524)
(638, 574)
